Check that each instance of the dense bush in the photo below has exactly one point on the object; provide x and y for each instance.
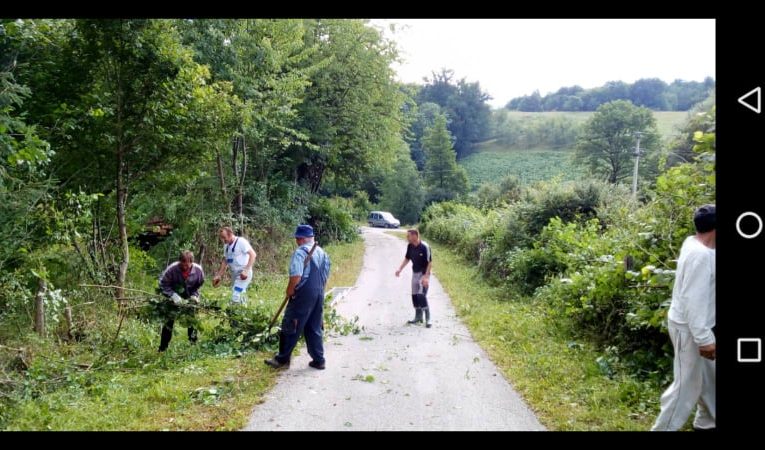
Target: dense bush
(492, 196)
(529, 269)
(496, 238)
(465, 228)
(361, 205)
(611, 291)
(567, 201)
(619, 286)
(332, 221)
(523, 221)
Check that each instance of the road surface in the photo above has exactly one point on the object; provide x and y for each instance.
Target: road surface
(394, 376)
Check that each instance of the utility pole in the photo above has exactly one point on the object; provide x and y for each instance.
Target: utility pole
(638, 134)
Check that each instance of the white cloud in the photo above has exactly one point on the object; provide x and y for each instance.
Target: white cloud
(513, 57)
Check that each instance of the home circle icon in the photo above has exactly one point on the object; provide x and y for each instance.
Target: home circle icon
(749, 235)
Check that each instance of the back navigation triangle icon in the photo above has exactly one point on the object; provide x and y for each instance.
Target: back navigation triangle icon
(752, 103)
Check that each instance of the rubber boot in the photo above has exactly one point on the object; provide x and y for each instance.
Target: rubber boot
(427, 316)
(417, 316)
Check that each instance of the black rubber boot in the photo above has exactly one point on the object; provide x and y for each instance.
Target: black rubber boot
(417, 316)
(427, 317)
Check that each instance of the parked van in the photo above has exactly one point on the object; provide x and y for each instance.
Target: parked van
(382, 219)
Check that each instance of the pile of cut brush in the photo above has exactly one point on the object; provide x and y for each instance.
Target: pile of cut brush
(243, 326)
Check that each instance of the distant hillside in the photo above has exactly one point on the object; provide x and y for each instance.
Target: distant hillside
(666, 121)
(492, 160)
(649, 92)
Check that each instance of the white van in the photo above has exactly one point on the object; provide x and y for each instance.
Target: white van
(382, 219)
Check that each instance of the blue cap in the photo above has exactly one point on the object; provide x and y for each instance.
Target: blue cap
(304, 231)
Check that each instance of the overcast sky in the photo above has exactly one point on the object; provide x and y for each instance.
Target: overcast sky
(514, 57)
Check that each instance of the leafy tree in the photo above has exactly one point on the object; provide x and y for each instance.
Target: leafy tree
(444, 178)
(465, 106)
(607, 142)
(534, 132)
(139, 105)
(352, 110)
(497, 195)
(531, 103)
(402, 191)
(470, 115)
(572, 103)
(684, 95)
(649, 92)
(423, 117)
(24, 159)
(268, 64)
(616, 90)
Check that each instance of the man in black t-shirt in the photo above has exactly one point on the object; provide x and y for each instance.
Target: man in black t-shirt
(418, 252)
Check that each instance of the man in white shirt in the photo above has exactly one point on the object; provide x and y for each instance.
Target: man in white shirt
(239, 256)
(691, 320)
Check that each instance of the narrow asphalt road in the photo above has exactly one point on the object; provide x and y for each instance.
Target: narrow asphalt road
(394, 376)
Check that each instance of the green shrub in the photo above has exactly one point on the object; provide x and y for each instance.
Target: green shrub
(465, 228)
(529, 269)
(361, 205)
(523, 221)
(491, 196)
(332, 221)
(568, 201)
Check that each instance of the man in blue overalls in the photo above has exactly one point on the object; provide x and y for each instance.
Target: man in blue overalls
(305, 308)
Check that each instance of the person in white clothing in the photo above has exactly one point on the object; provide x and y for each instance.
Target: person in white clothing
(691, 320)
(239, 256)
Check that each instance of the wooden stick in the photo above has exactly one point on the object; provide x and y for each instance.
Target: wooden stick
(11, 348)
(114, 287)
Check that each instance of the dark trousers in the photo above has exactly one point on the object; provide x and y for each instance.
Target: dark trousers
(304, 315)
(420, 301)
(167, 334)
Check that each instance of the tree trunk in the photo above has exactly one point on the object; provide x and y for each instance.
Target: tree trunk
(222, 181)
(40, 308)
(201, 253)
(69, 322)
(122, 223)
(238, 174)
(240, 193)
(100, 244)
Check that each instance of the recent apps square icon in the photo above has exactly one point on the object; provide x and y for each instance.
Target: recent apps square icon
(750, 350)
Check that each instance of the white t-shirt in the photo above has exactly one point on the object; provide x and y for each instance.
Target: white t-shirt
(693, 296)
(237, 254)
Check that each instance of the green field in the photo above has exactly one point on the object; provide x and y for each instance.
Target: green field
(492, 161)
(666, 121)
